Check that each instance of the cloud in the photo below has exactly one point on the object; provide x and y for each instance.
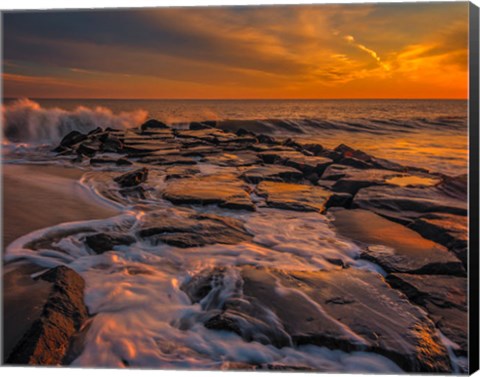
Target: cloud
(237, 50)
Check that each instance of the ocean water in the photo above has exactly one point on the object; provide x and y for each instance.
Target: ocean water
(430, 134)
(142, 318)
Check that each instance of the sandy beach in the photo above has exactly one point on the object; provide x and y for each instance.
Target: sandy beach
(34, 194)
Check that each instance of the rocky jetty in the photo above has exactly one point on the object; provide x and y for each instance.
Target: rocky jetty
(408, 223)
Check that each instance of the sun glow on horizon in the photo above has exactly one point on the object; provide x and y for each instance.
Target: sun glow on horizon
(395, 51)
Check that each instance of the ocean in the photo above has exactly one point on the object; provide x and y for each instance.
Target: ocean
(431, 134)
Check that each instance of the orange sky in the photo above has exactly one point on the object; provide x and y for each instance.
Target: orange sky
(409, 50)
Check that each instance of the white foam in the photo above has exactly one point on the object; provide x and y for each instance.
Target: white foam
(25, 121)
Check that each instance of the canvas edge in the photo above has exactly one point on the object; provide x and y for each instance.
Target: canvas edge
(473, 238)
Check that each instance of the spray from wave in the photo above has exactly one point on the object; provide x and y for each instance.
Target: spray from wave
(26, 121)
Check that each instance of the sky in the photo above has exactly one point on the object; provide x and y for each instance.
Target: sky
(403, 50)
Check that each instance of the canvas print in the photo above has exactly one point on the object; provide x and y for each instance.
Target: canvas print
(258, 188)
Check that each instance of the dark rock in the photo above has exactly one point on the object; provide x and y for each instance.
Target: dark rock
(102, 161)
(297, 160)
(444, 298)
(362, 160)
(266, 139)
(133, 178)
(292, 196)
(192, 230)
(102, 242)
(339, 199)
(277, 173)
(112, 145)
(153, 123)
(63, 314)
(198, 126)
(72, 138)
(123, 162)
(395, 247)
(292, 144)
(244, 132)
(315, 149)
(87, 150)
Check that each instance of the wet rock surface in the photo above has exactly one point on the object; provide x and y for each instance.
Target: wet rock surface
(334, 309)
(292, 196)
(48, 339)
(224, 190)
(395, 247)
(186, 230)
(403, 204)
(444, 298)
(272, 173)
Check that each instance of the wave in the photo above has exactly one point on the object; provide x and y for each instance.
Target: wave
(26, 121)
(370, 126)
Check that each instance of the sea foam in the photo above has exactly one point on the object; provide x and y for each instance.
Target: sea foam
(26, 121)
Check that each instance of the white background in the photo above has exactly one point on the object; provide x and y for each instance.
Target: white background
(63, 4)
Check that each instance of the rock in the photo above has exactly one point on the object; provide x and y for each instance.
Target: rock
(292, 144)
(335, 309)
(225, 190)
(293, 196)
(153, 123)
(362, 160)
(182, 229)
(112, 145)
(102, 242)
(198, 126)
(351, 180)
(168, 159)
(277, 173)
(395, 247)
(404, 204)
(233, 159)
(266, 139)
(102, 161)
(48, 339)
(297, 160)
(181, 171)
(243, 132)
(448, 230)
(140, 150)
(133, 178)
(339, 199)
(72, 138)
(96, 131)
(444, 298)
(87, 150)
(315, 149)
(123, 162)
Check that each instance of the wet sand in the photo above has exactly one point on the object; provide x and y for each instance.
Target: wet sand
(39, 196)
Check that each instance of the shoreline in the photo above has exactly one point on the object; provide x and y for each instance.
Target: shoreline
(30, 192)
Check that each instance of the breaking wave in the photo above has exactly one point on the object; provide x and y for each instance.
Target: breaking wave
(26, 121)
